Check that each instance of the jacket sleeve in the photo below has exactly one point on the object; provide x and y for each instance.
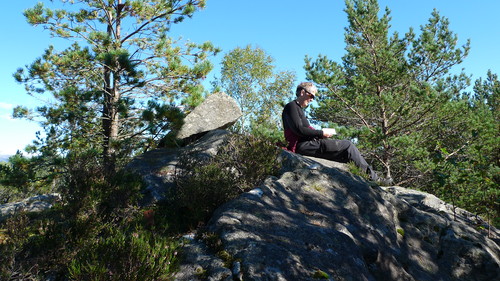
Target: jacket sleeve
(299, 126)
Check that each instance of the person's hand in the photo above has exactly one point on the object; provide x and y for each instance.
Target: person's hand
(327, 135)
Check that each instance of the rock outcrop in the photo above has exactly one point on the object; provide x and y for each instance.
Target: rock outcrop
(33, 204)
(217, 111)
(317, 220)
(157, 167)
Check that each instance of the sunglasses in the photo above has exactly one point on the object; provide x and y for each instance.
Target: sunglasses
(310, 95)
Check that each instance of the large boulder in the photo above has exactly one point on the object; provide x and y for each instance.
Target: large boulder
(218, 111)
(316, 220)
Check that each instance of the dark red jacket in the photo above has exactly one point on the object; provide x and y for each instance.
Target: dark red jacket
(297, 128)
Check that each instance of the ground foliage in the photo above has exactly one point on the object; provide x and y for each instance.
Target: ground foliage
(96, 233)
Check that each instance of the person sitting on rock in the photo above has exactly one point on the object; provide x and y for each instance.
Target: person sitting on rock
(304, 139)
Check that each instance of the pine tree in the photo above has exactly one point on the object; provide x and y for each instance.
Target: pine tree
(114, 90)
(389, 89)
(484, 153)
(465, 164)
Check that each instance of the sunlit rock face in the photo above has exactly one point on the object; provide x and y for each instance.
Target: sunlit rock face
(218, 111)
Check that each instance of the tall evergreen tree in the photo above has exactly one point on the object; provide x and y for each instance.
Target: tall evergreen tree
(484, 154)
(465, 163)
(389, 89)
(114, 89)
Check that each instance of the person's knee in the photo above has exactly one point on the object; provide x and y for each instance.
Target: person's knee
(351, 148)
(347, 144)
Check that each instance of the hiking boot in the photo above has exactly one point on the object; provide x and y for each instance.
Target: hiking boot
(385, 181)
(375, 179)
(373, 175)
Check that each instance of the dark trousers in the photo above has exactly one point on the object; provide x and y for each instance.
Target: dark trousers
(335, 150)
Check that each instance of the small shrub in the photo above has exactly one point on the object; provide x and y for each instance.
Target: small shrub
(6, 261)
(17, 232)
(252, 158)
(204, 183)
(83, 182)
(226, 257)
(214, 243)
(212, 240)
(123, 191)
(401, 232)
(14, 235)
(353, 169)
(17, 228)
(319, 274)
(123, 256)
(198, 195)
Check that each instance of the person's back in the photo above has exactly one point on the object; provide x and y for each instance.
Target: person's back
(296, 126)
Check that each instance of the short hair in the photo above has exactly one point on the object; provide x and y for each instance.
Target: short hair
(308, 86)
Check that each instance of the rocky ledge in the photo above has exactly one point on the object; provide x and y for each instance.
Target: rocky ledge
(318, 221)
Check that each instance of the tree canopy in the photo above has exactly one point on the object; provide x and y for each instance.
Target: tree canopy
(389, 89)
(248, 75)
(115, 89)
(409, 109)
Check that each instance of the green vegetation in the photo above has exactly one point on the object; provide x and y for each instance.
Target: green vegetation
(203, 184)
(247, 75)
(99, 233)
(319, 274)
(121, 256)
(396, 96)
(23, 177)
(411, 116)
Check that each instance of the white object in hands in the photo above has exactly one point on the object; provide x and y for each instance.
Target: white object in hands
(329, 131)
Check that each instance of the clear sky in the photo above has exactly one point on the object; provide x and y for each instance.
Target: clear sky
(287, 30)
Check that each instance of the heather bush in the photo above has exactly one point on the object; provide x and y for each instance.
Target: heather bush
(14, 232)
(96, 216)
(125, 256)
(203, 183)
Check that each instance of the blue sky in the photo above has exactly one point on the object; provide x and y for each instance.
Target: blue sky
(287, 30)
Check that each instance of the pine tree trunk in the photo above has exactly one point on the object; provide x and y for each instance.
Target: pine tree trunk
(110, 123)
(110, 107)
(386, 157)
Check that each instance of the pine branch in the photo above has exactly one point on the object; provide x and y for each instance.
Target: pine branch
(351, 108)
